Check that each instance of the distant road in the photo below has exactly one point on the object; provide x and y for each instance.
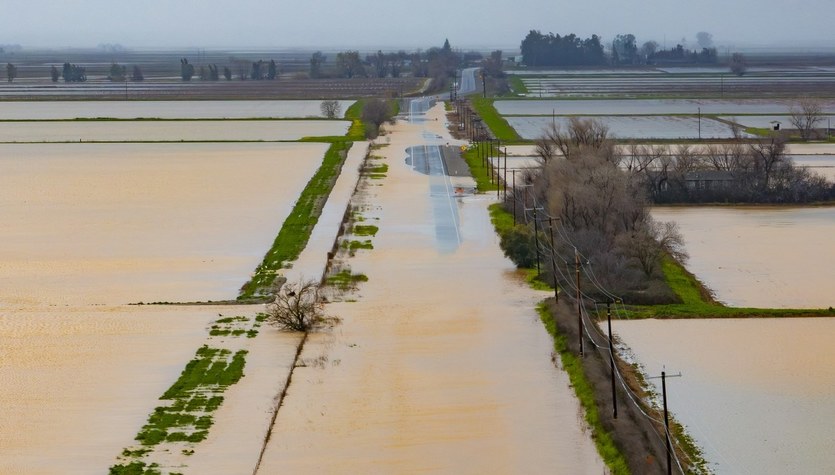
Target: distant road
(468, 84)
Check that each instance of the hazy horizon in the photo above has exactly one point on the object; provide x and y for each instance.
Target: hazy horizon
(251, 24)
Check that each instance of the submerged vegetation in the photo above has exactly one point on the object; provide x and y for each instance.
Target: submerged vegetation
(193, 398)
(296, 229)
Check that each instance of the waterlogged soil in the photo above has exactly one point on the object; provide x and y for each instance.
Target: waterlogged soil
(765, 257)
(649, 106)
(163, 131)
(79, 382)
(756, 394)
(122, 223)
(57, 110)
(441, 363)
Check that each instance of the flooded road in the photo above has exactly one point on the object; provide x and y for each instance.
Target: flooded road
(756, 394)
(441, 364)
(779, 257)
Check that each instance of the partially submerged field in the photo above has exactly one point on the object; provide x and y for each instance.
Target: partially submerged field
(96, 227)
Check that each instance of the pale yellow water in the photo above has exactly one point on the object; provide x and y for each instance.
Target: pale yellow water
(149, 131)
(755, 393)
(120, 223)
(442, 364)
(89, 228)
(780, 257)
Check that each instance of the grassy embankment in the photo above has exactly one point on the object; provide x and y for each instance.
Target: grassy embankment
(494, 121)
(698, 303)
(613, 441)
(296, 228)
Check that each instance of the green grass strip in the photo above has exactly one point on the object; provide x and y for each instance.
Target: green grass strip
(478, 170)
(296, 229)
(517, 85)
(585, 394)
(492, 119)
(697, 303)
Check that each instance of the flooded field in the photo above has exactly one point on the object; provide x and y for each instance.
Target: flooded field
(161, 131)
(687, 85)
(778, 257)
(56, 110)
(417, 378)
(78, 382)
(823, 165)
(119, 223)
(649, 106)
(755, 393)
(639, 127)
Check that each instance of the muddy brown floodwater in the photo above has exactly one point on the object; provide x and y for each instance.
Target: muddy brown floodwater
(780, 257)
(88, 228)
(441, 364)
(756, 394)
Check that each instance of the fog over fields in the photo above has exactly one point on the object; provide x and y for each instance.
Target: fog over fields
(339, 24)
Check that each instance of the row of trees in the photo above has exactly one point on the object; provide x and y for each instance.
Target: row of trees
(598, 209)
(596, 196)
(738, 171)
(554, 50)
(436, 62)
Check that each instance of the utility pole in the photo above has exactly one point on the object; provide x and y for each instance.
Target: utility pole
(579, 300)
(483, 84)
(612, 358)
(504, 176)
(536, 239)
(553, 258)
(700, 123)
(667, 417)
(514, 197)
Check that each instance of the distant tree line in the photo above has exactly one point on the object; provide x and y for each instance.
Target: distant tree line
(551, 49)
(437, 63)
(556, 50)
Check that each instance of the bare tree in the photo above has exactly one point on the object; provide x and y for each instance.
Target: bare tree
(805, 115)
(648, 245)
(581, 133)
(331, 109)
(704, 39)
(297, 308)
(767, 156)
(738, 65)
(374, 113)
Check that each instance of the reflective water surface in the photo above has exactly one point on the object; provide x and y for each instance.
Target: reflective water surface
(755, 393)
(779, 257)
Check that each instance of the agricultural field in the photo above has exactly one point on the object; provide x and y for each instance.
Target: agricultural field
(100, 230)
(634, 127)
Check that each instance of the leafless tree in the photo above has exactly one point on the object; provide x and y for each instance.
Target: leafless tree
(297, 308)
(580, 134)
(738, 65)
(331, 109)
(704, 39)
(649, 244)
(767, 155)
(805, 115)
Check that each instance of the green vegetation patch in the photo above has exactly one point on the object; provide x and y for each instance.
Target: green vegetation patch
(345, 280)
(498, 125)
(585, 394)
(698, 303)
(296, 229)
(479, 171)
(365, 230)
(517, 85)
(193, 398)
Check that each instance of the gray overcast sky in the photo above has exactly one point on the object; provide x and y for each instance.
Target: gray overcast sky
(397, 23)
